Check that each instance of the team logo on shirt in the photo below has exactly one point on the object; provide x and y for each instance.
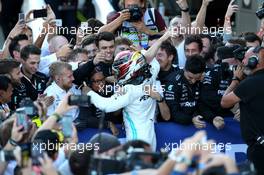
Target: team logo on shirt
(143, 98)
(170, 87)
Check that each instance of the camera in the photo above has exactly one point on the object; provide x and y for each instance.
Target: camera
(123, 161)
(235, 51)
(135, 13)
(260, 12)
(40, 13)
(239, 53)
(6, 156)
(79, 100)
(30, 109)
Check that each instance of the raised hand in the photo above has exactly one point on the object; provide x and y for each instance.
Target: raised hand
(232, 8)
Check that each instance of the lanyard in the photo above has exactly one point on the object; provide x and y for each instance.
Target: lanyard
(33, 85)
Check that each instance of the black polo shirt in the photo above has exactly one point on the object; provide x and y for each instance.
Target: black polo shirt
(28, 88)
(251, 93)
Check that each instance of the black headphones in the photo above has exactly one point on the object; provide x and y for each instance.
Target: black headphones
(253, 62)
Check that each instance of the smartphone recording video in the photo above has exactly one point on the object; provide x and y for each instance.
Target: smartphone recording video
(66, 124)
(22, 118)
(40, 13)
(21, 18)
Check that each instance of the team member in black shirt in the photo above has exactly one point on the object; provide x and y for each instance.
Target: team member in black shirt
(250, 96)
(33, 83)
(215, 82)
(183, 91)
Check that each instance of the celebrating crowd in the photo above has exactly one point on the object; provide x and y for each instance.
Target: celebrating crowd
(133, 71)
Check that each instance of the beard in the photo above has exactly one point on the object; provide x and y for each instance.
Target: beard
(15, 83)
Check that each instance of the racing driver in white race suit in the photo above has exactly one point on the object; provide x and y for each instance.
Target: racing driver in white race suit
(134, 71)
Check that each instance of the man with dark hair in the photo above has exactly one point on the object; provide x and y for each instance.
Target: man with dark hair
(183, 92)
(12, 69)
(104, 58)
(208, 50)
(106, 45)
(252, 40)
(33, 83)
(79, 162)
(167, 56)
(122, 44)
(6, 90)
(193, 45)
(215, 82)
(47, 137)
(17, 43)
(77, 57)
(89, 44)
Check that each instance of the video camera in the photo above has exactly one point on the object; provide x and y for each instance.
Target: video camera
(260, 12)
(135, 13)
(124, 161)
(235, 51)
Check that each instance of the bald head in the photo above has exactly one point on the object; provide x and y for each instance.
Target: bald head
(57, 42)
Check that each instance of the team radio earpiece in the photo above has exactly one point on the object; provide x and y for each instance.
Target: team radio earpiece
(253, 62)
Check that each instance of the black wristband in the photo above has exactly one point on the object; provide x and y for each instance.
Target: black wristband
(185, 10)
(236, 78)
(161, 100)
(57, 116)
(13, 142)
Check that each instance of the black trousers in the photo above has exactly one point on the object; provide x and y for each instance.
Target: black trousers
(255, 154)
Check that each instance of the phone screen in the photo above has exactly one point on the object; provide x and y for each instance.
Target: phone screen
(40, 13)
(21, 18)
(79, 100)
(66, 124)
(22, 118)
(58, 22)
(84, 26)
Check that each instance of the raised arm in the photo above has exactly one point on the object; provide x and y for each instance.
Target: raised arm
(232, 8)
(200, 18)
(114, 25)
(14, 32)
(186, 19)
(47, 25)
(152, 51)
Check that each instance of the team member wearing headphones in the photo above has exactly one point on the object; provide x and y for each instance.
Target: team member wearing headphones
(250, 96)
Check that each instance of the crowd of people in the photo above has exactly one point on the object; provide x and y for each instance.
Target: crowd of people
(134, 71)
